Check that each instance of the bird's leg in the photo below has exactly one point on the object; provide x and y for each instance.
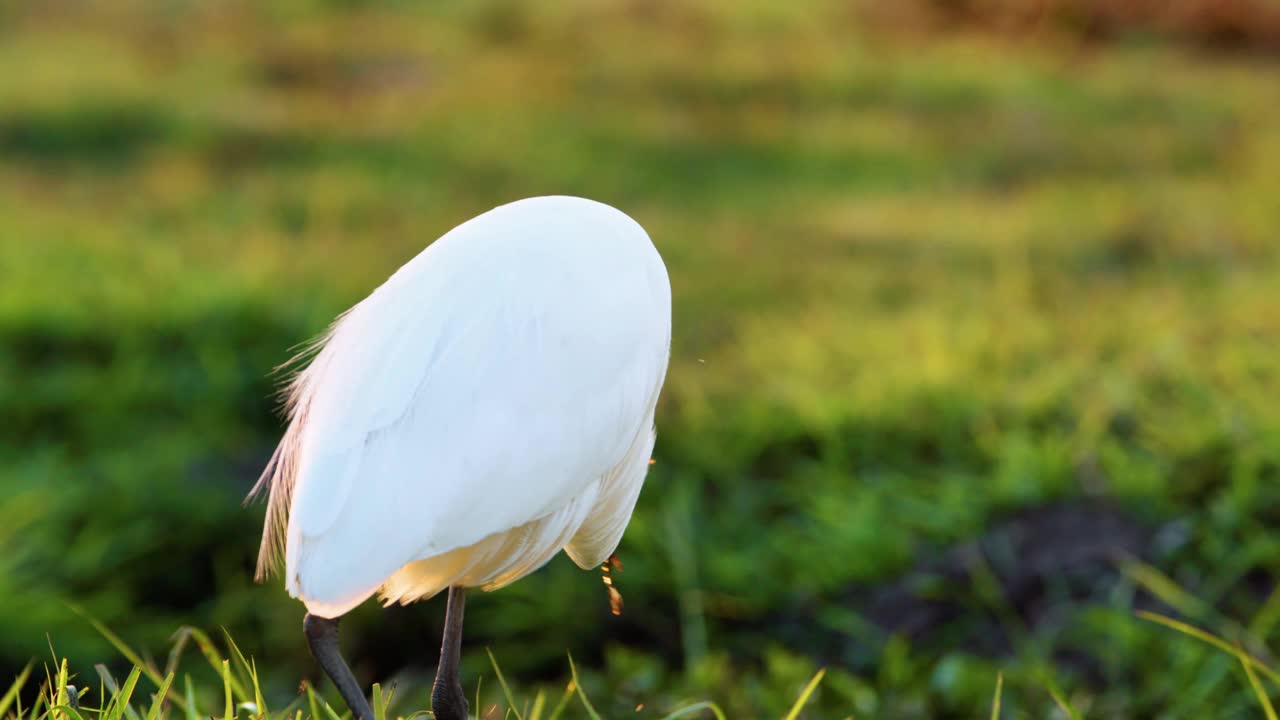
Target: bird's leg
(322, 636)
(448, 701)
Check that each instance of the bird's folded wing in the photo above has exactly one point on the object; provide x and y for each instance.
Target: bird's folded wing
(436, 414)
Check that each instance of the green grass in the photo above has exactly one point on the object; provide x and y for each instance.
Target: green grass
(923, 284)
(239, 689)
(59, 699)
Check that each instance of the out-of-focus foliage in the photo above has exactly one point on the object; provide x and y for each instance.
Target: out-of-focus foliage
(1220, 25)
(931, 288)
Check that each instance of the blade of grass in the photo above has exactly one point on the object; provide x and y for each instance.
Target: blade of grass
(119, 705)
(1209, 638)
(329, 712)
(190, 691)
(259, 703)
(214, 658)
(591, 711)
(121, 647)
(210, 652)
(244, 672)
(238, 656)
(70, 712)
(506, 690)
(1163, 587)
(995, 702)
(1062, 703)
(157, 705)
(682, 712)
(42, 700)
(107, 680)
(379, 704)
(180, 638)
(60, 695)
(48, 689)
(539, 701)
(130, 684)
(1258, 690)
(1059, 699)
(804, 695)
(311, 702)
(14, 689)
(1172, 594)
(564, 700)
(230, 711)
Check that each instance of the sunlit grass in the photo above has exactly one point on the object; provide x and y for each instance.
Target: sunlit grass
(60, 698)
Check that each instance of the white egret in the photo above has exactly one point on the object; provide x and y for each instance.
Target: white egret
(490, 404)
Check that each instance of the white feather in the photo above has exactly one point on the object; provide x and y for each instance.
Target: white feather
(489, 404)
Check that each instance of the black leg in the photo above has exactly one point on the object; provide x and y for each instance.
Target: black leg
(448, 701)
(322, 635)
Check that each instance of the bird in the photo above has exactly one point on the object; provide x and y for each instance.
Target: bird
(489, 405)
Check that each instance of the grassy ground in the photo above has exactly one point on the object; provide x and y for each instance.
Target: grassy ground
(157, 694)
(147, 691)
(925, 287)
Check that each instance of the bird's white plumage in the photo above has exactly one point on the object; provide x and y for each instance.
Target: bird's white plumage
(488, 405)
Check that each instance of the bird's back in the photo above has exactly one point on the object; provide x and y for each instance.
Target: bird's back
(486, 406)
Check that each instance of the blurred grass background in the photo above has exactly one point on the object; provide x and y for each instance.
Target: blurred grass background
(977, 312)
